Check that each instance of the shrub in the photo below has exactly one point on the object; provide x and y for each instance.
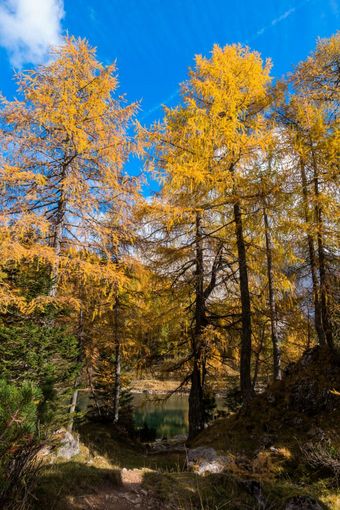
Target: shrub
(19, 443)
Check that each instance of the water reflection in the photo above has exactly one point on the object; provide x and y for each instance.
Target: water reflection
(168, 417)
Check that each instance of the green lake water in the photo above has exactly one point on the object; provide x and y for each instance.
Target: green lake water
(168, 417)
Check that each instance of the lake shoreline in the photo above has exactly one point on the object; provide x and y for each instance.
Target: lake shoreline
(166, 388)
(169, 394)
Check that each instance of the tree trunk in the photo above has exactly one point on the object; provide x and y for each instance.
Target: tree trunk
(117, 365)
(326, 322)
(195, 402)
(75, 394)
(245, 368)
(73, 405)
(257, 357)
(271, 296)
(58, 233)
(196, 422)
(92, 388)
(312, 262)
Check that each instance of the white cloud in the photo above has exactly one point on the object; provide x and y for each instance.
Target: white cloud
(29, 27)
(277, 20)
(283, 16)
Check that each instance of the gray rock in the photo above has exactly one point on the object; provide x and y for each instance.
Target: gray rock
(69, 446)
(205, 460)
(201, 453)
(216, 466)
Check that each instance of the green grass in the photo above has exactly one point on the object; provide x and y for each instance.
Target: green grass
(190, 491)
(59, 481)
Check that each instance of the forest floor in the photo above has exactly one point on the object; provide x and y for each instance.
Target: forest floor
(109, 473)
(129, 495)
(282, 453)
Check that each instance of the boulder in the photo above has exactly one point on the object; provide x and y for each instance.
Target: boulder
(215, 466)
(204, 460)
(69, 445)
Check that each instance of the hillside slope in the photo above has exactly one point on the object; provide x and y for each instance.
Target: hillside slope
(281, 453)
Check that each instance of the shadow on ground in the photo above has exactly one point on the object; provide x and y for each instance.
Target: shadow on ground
(59, 484)
(123, 452)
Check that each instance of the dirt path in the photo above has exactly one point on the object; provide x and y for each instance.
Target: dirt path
(131, 496)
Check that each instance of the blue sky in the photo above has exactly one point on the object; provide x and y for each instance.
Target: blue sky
(154, 41)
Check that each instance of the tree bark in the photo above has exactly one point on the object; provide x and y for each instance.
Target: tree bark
(326, 322)
(246, 344)
(271, 298)
(196, 421)
(58, 232)
(312, 262)
(257, 357)
(117, 365)
(75, 394)
(92, 388)
(73, 405)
